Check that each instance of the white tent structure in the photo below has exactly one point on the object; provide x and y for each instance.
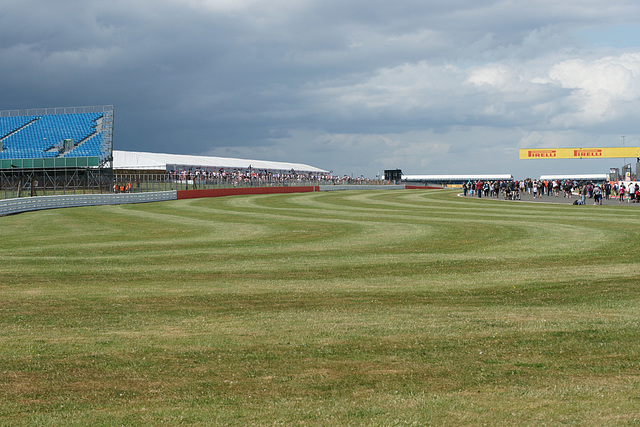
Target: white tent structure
(456, 178)
(577, 177)
(132, 160)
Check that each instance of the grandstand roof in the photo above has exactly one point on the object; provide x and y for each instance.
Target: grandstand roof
(159, 161)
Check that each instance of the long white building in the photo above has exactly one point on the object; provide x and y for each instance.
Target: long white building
(133, 160)
(577, 177)
(456, 179)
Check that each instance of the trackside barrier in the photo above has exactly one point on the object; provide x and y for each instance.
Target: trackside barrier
(220, 192)
(340, 187)
(422, 187)
(26, 204)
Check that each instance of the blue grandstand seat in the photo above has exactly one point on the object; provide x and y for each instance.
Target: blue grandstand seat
(42, 136)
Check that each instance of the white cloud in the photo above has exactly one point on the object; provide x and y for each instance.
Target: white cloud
(219, 5)
(496, 75)
(601, 89)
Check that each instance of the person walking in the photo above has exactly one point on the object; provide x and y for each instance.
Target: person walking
(597, 195)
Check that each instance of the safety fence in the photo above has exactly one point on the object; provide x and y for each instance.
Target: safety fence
(18, 183)
(141, 182)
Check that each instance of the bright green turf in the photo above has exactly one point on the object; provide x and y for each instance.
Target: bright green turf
(337, 308)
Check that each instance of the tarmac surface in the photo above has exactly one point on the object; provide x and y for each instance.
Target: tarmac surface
(526, 197)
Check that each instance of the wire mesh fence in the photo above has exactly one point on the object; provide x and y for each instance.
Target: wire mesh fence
(32, 183)
(16, 183)
(186, 181)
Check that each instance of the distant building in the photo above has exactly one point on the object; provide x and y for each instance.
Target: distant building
(455, 179)
(129, 161)
(576, 177)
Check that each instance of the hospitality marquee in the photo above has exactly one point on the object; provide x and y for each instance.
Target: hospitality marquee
(579, 153)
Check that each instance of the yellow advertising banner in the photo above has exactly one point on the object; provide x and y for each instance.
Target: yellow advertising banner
(579, 153)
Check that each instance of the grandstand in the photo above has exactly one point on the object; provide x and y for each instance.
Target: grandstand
(28, 138)
(56, 149)
(160, 172)
(70, 150)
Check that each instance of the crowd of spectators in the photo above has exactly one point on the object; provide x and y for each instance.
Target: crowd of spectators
(513, 190)
(259, 177)
(192, 178)
(509, 189)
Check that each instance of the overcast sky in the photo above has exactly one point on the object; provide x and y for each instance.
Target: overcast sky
(352, 86)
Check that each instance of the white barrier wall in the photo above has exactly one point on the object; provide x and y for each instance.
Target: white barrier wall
(26, 204)
(339, 187)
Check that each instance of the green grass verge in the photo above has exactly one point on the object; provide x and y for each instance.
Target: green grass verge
(348, 308)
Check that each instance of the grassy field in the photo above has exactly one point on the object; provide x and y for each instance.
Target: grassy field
(405, 307)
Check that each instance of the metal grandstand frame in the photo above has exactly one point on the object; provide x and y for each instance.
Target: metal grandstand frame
(60, 175)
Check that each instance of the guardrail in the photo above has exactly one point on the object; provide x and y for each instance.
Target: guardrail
(26, 204)
(339, 187)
